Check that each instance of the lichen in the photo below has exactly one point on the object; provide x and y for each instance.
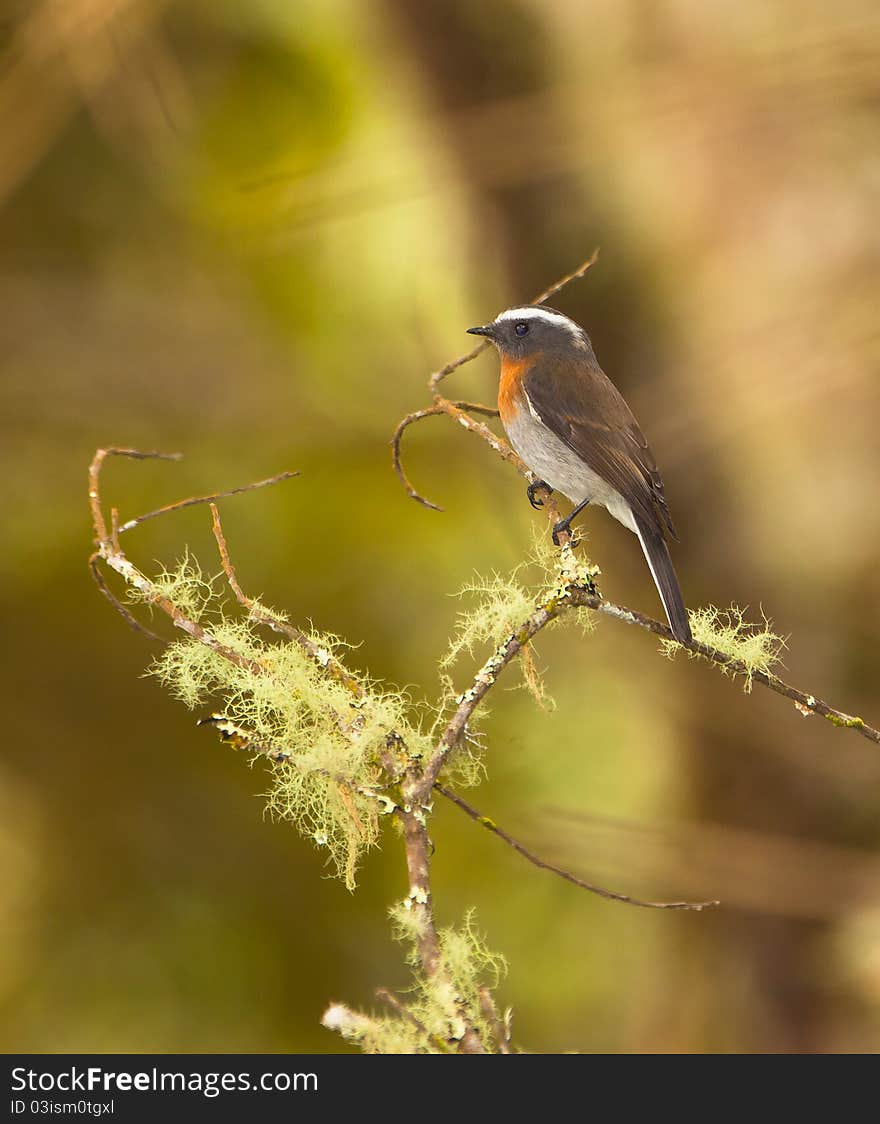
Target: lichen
(847, 722)
(438, 1009)
(502, 605)
(503, 612)
(189, 590)
(286, 700)
(754, 647)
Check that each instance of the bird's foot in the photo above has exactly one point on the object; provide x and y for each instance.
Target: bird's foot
(563, 527)
(535, 487)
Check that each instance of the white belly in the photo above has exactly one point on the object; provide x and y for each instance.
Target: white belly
(553, 461)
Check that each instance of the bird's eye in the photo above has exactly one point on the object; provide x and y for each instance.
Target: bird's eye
(521, 328)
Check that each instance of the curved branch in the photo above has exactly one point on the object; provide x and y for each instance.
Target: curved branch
(441, 406)
(402, 426)
(542, 864)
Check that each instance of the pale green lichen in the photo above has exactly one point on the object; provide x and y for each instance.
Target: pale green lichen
(189, 590)
(285, 699)
(505, 605)
(374, 1034)
(564, 567)
(754, 647)
(502, 605)
(504, 609)
(437, 1010)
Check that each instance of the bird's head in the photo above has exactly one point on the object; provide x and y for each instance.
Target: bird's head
(519, 333)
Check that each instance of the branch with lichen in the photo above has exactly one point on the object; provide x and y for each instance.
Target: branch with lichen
(722, 637)
(342, 751)
(346, 754)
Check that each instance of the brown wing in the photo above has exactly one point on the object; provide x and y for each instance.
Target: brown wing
(580, 404)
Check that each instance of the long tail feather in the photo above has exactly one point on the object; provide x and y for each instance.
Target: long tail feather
(657, 555)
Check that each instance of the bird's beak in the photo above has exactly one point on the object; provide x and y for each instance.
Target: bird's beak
(486, 330)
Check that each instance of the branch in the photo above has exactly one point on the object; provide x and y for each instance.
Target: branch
(94, 477)
(417, 844)
(403, 1012)
(542, 864)
(438, 376)
(123, 610)
(110, 552)
(582, 596)
(441, 407)
(194, 500)
(500, 1027)
(241, 739)
(575, 275)
(326, 660)
(806, 702)
(484, 680)
(412, 814)
(402, 426)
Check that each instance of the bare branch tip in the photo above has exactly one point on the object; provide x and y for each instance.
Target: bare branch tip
(567, 876)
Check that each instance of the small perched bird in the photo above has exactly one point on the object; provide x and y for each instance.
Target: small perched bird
(570, 424)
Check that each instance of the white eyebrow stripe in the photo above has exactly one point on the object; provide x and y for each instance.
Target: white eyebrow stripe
(530, 313)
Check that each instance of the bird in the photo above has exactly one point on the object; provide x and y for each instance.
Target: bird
(572, 428)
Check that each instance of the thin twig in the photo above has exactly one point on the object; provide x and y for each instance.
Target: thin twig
(325, 659)
(453, 365)
(441, 407)
(124, 612)
(575, 275)
(461, 412)
(542, 864)
(438, 376)
(478, 408)
(100, 456)
(109, 552)
(235, 735)
(192, 501)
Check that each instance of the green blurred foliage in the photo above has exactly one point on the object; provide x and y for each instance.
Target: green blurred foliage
(248, 232)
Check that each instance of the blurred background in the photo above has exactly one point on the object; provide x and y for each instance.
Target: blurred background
(248, 231)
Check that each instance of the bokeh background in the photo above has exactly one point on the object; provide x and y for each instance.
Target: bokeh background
(248, 231)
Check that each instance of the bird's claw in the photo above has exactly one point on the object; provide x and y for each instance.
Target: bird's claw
(533, 488)
(563, 527)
